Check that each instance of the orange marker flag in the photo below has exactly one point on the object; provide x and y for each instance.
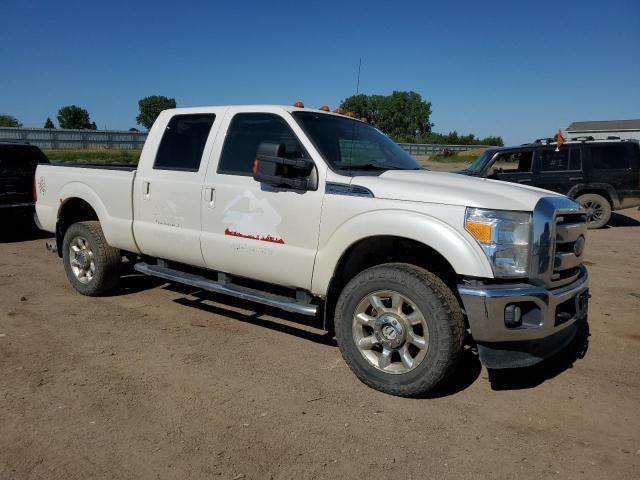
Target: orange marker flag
(559, 140)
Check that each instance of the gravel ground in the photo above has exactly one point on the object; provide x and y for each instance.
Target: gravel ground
(158, 381)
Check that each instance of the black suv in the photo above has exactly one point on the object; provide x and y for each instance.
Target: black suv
(18, 162)
(603, 175)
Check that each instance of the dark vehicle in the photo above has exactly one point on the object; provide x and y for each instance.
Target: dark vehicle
(602, 175)
(18, 162)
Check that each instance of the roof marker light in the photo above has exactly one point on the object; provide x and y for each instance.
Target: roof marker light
(299, 104)
(364, 119)
(324, 108)
(350, 114)
(339, 111)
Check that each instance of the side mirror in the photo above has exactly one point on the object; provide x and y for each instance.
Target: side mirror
(272, 168)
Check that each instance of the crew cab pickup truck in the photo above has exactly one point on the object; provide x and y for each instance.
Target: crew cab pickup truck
(321, 214)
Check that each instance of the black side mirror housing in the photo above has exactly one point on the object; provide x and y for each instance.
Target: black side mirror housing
(272, 168)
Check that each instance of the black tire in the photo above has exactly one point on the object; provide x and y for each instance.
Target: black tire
(439, 308)
(599, 209)
(106, 259)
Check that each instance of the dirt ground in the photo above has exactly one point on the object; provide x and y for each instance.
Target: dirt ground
(162, 382)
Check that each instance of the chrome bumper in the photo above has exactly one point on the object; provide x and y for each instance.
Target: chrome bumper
(546, 312)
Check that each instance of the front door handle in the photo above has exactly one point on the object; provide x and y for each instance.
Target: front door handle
(575, 179)
(524, 180)
(146, 190)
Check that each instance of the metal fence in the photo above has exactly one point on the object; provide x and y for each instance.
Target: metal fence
(80, 139)
(431, 148)
(123, 140)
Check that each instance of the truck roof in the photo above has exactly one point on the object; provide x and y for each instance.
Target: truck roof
(568, 142)
(250, 107)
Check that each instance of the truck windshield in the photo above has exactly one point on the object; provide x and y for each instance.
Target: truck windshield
(351, 145)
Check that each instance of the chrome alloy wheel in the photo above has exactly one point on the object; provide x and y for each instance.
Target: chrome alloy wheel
(390, 332)
(81, 259)
(595, 211)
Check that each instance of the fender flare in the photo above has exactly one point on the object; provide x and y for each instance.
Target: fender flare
(577, 190)
(84, 192)
(459, 249)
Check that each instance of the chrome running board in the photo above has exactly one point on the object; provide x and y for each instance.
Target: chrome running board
(225, 287)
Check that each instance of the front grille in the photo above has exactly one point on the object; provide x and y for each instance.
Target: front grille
(570, 229)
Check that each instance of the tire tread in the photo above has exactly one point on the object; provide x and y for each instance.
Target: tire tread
(438, 296)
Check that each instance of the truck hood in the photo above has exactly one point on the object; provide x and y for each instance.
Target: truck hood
(451, 189)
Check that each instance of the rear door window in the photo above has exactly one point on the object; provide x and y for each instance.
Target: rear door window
(183, 142)
(564, 159)
(612, 157)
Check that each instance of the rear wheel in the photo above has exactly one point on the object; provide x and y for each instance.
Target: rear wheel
(598, 209)
(399, 328)
(91, 265)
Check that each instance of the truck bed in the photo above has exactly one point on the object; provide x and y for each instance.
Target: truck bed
(127, 167)
(107, 189)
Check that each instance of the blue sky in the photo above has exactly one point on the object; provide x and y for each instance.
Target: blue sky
(516, 69)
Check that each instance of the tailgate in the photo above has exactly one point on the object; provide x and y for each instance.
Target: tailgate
(17, 167)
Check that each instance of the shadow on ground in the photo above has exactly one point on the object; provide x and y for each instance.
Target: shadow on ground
(311, 329)
(620, 220)
(530, 377)
(17, 229)
(308, 328)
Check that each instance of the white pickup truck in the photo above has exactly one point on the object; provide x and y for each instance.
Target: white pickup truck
(320, 214)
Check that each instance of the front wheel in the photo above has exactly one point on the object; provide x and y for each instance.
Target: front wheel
(91, 265)
(598, 209)
(400, 328)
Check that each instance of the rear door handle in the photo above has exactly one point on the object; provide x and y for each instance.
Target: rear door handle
(575, 179)
(524, 180)
(210, 196)
(146, 190)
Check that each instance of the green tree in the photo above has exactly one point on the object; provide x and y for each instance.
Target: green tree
(49, 124)
(9, 121)
(133, 129)
(150, 108)
(361, 105)
(453, 138)
(404, 116)
(493, 141)
(73, 116)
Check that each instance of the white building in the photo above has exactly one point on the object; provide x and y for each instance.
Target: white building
(605, 128)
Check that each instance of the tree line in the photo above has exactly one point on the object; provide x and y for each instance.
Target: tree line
(78, 118)
(404, 116)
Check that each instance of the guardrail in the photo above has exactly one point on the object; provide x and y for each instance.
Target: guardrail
(81, 139)
(432, 148)
(59, 138)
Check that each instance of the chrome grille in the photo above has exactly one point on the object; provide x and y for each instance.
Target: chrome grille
(558, 223)
(570, 228)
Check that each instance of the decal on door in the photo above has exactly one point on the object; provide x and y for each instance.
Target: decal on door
(248, 217)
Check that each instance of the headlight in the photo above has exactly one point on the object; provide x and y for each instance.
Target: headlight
(505, 238)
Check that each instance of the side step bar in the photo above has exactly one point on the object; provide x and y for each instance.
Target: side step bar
(224, 287)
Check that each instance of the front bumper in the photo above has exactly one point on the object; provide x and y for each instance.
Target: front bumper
(547, 320)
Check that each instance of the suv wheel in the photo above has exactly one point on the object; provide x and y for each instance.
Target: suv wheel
(598, 209)
(400, 328)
